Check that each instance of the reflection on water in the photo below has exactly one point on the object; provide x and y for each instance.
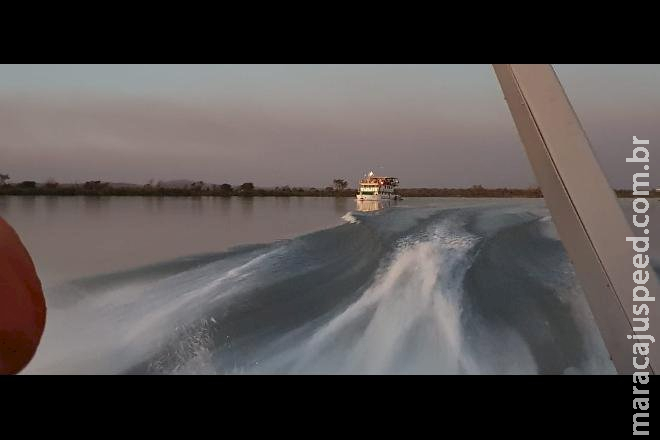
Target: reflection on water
(153, 204)
(247, 205)
(197, 205)
(52, 204)
(342, 205)
(77, 236)
(94, 205)
(372, 205)
(221, 204)
(28, 204)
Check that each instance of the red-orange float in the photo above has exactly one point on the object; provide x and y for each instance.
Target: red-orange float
(22, 303)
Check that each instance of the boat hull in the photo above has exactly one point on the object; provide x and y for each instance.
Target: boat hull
(373, 197)
(377, 197)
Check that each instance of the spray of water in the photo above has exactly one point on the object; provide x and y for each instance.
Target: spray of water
(382, 293)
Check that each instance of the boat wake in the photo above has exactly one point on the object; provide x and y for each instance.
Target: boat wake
(481, 289)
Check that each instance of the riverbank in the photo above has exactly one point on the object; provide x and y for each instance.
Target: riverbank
(81, 190)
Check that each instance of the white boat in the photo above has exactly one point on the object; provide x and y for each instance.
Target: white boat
(378, 188)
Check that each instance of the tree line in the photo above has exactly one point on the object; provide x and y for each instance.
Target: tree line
(339, 188)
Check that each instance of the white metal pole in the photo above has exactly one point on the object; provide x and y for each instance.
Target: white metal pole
(584, 208)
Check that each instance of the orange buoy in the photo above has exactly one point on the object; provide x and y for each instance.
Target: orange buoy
(22, 303)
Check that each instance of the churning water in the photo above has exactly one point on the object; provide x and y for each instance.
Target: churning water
(483, 287)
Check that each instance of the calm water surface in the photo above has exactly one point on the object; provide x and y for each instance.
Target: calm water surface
(73, 237)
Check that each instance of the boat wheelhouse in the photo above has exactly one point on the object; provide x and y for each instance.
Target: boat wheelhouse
(377, 188)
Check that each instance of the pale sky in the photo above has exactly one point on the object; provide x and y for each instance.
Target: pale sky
(302, 125)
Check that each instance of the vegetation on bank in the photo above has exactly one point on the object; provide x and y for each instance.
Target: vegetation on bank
(99, 188)
(339, 188)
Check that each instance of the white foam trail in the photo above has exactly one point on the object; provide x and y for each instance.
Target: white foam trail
(408, 321)
(350, 218)
(547, 228)
(109, 332)
(191, 355)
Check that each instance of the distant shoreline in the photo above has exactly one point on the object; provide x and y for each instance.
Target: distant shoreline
(152, 191)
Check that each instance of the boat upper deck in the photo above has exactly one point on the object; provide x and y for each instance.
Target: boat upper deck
(379, 181)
